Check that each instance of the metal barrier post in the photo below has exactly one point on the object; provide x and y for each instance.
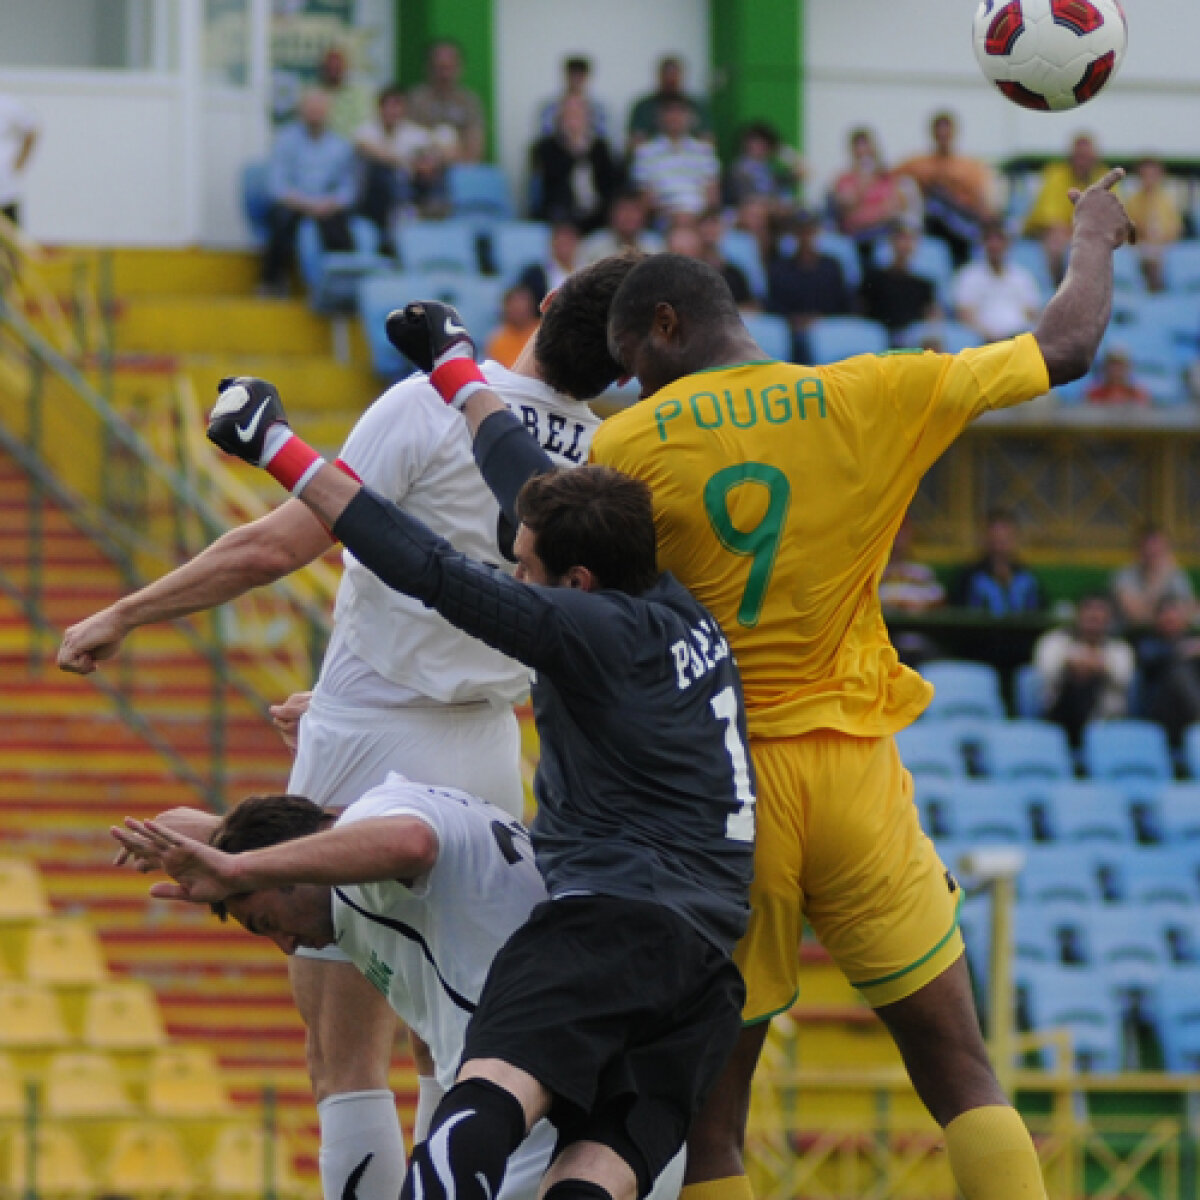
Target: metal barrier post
(270, 1137)
(30, 1191)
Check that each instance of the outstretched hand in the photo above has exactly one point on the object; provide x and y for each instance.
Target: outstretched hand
(201, 874)
(286, 717)
(1099, 211)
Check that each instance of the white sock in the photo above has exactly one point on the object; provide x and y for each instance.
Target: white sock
(362, 1148)
(429, 1096)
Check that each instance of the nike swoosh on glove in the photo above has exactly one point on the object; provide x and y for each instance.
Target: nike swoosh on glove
(245, 412)
(429, 333)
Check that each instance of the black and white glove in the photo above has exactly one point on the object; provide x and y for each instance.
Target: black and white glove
(432, 335)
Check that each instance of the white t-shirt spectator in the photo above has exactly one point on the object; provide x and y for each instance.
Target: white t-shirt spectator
(996, 305)
(407, 140)
(680, 174)
(17, 121)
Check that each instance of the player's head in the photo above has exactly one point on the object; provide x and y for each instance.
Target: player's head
(590, 528)
(672, 316)
(290, 916)
(572, 340)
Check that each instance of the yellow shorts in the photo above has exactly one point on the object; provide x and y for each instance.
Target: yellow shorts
(839, 842)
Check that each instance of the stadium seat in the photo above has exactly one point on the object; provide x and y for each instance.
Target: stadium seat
(1191, 751)
(30, 1017)
(1078, 812)
(833, 338)
(238, 1165)
(148, 1159)
(950, 337)
(1127, 271)
(1022, 748)
(22, 896)
(1177, 813)
(926, 751)
(1125, 947)
(988, 813)
(772, 333)
(932, 260)
(12, 1091)
(60, 1166)
(1028, 695)
(1049, 933)
(1058, 874)
(447, 245)
(64, 951)
(332, 277)
(963, 688)
(123, 1016)
(740, 247)
(1179, 928)
(84, 1084)
(479, 188)
(1031, 254)
(185, 1082)
(1179, 1019)
(934, 798)
(514, 245)
(256, 200)
(1126, 749)
(841, 247)
(1145, 875)
(1070, 998)
(1181, 267)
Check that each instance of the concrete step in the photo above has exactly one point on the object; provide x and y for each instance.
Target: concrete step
(176, 325)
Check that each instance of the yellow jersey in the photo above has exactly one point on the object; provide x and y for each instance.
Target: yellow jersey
(778, 490)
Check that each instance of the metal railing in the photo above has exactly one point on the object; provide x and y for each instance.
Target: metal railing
(148, 492)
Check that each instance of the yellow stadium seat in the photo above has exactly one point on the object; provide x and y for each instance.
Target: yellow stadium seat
(238, 1164)
(64, 952)
(84, 1085)
(185, 1082)
(60, 1165)
(30, 1017)
(12, 1091)
(22, 896)
(147, 1159)
(123, 1016)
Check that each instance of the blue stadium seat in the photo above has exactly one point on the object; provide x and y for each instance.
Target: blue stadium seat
(841, 247)
(256, 200)
(988, 813)
(934, 797)
(1128, 949)
(931, 259)
(1179, 929)
(332, 276)
(1177, 813)
(479, 189)
(1159, 875)
(1028, 693)
(1181, 267)
(1127, 271)
(1080, 812)
(833, 338)
(516, 245)
(1070, 998)
(926, 750)
(1050, 933)
(1059, 874)
(963, 688)
(447, 245)
(740, 247)
(951, 337)
(1021, 748)
(1191, 750)
(975, 922)
(1030, 254)
(1126, 749)
(773, 334)
(1179, 1019)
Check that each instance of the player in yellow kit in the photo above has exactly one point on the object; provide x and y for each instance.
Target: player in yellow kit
(778, 491)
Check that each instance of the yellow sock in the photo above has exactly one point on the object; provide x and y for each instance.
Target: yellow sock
(992, 1155)
(735, 1187)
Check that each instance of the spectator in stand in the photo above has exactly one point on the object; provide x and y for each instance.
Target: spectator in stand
(710, 228)
(626, 230)
(645, 118)
(573, 170)
(1050, 217)
(678, 173)
(1084, 671)
(311, 173)
(1154, 576)
(754, 216)
(999, 583)
(893, 295)
(996, 298)
(867, 199)
(18, 136)
(1116, 384)
(910, 587)
(764, 167)
(959, 192)
(577, 76)
(1155, 213)
(519, 320)
(404, 165)
(806, 284)
(350, 104)
(1169, 669)
(545, 277)
(442, 102)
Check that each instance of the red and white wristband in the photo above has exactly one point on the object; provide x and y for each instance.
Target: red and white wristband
(456, 380)
(289, 460)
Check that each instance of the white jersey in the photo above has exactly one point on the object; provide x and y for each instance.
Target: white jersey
(387, 648)
(428, 947)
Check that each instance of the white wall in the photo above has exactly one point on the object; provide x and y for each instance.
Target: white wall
(623, 38)
(889, 65)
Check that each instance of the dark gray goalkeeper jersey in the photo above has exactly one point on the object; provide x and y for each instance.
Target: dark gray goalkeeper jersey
(645, 789)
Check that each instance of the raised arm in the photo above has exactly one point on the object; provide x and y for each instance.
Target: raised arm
(1074, 321)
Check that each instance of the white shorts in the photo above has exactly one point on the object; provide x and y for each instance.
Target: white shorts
(343, 752)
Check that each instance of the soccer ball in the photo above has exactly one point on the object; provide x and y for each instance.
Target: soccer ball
(1050, 55)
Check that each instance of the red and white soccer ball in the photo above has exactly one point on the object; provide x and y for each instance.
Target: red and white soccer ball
(1050, 55)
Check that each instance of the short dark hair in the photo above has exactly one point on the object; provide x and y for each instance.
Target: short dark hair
(572, 340)
(593, 517)
(261, 821)
(577, 64)
(1000, 515)
(388, 91)
(687, 284)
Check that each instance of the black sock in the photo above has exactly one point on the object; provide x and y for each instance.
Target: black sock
(577, 1189)
(475, 1128)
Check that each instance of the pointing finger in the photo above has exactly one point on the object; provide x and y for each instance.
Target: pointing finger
(1111, 179)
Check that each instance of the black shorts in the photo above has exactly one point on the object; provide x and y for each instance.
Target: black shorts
(622, 1011)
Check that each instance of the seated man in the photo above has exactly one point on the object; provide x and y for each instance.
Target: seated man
(614, 1007)
(311, 174)
(995, 297)
(420, 886)
(677, 172)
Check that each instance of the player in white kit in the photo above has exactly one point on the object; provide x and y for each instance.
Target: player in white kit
(441, 879)
(399, 688)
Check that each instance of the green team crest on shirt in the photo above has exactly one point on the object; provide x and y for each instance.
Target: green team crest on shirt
(379, 974)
